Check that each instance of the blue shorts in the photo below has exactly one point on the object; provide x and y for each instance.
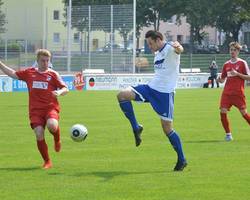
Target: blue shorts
(162, 103)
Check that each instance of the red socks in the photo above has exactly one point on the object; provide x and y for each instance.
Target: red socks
(56, 134)
(43, 149)
(225, 122)
(247, 118)
(57, 142)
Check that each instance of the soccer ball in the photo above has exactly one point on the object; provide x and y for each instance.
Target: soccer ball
(78, 132)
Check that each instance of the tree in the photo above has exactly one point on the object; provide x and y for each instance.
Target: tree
(151, 12)
(231, 16)
(199, 14)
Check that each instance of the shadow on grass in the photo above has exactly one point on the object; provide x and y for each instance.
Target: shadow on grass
(205, 141)
(108, 175)
(21, 169)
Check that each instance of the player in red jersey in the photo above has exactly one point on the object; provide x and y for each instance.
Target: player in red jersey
(44, 86)
(236, 71)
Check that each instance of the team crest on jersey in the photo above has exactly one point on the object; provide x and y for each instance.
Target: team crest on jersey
(48, 78)
(40, 85)
(237, 67)
(159, 64)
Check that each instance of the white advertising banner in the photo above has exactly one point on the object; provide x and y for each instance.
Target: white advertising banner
(121, 81)
(114, 82)
(192, 80)
(110, 81)
(5, 84)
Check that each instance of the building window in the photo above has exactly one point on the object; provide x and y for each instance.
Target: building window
(76, 37)
(56, 37)
(168, 36)
(56, 15)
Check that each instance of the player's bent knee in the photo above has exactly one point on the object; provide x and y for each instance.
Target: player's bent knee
(125, 95)
(52, 125)
(167, 126)
(119, 96)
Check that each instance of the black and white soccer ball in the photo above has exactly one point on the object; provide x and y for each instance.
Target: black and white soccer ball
(78, 132)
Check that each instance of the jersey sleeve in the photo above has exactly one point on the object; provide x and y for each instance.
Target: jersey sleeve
(223, 72)
(22, 74)
(246, 68)
(170, 51)
(59, 82)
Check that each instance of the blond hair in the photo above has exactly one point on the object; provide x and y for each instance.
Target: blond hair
(42, 52)
(236, 45)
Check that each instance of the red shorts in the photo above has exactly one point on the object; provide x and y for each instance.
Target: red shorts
(40, 117)
(227, 101)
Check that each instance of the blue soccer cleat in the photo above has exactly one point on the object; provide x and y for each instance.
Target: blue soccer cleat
(180, 165)
(137, 135)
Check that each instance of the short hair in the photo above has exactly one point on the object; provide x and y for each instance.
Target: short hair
(154, 35)
(42, 52)
(236, 45)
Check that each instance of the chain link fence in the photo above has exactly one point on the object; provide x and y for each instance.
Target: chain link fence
(87, 37)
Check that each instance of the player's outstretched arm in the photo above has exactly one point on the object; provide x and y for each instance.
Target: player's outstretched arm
(8, 71)
(63, 91)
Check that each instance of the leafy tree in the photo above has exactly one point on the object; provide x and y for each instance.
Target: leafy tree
(232, 14)
(199, 14)
(151, 12)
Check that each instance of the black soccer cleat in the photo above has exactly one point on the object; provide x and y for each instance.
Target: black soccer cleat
(180, 165)
(137, 135)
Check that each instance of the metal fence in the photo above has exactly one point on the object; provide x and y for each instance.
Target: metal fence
(85, 37)
(188, 61)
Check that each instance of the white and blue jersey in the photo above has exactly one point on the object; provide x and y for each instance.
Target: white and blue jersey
(160, 90)
(166, 67)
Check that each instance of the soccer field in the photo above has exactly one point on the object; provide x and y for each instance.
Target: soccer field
(108, 166)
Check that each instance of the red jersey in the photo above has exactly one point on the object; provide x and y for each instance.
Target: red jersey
(234, 84)
(40, 86)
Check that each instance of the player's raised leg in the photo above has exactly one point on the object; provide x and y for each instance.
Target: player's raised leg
(53, 127)
(42, 146)
(124, 97)
(176, 143)
(245, 115)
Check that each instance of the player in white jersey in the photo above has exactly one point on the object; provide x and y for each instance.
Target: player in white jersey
(159, 92)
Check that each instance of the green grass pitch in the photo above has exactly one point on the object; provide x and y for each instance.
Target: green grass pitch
(108, 166)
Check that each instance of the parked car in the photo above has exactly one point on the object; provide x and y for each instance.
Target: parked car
(107, 48)
(201, 49)
(140, 51)
(213, 48)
